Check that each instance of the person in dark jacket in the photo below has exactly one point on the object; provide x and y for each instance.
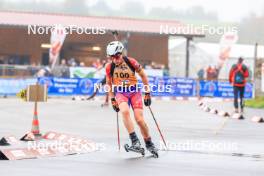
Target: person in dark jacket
(237, 77)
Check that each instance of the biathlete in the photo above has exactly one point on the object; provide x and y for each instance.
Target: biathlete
(122, 83)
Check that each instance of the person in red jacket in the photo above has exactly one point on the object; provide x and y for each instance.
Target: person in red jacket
(237, 77)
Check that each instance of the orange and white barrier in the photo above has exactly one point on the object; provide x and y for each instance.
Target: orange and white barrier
(213, 111)
(52, 144)
(238, 116)
(224, 114)
(9, 140)
(257, 119)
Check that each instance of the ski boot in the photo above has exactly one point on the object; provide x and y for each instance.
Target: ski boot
(152, 149)
(135, 147)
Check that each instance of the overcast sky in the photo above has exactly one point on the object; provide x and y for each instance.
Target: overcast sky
(228, 10)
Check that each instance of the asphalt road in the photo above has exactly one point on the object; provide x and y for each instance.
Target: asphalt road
(194, 149)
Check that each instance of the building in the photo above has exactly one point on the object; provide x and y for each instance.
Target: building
(18, 44)
(203, 55)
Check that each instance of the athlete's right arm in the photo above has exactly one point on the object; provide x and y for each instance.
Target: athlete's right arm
(109, 80)
(110, 91)
(109, 84)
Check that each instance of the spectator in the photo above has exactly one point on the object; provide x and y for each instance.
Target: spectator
(64, 69)
(216, 73)
(97, 64)
(147, 66)
(209, 73)
(166, 71)
(61, 70)
(200, 74)
(237, 77)
(46, 71)
(82, 64)
(72, 62)
(33, 69)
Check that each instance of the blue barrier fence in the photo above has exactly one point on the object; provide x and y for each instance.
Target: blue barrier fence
(162, 86)
(222, 89)
(13, 86)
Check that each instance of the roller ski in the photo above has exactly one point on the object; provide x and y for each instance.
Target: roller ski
(152, 149)
(135, 147)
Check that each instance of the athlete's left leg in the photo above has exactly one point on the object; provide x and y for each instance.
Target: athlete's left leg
(136, 103)
(138, 113)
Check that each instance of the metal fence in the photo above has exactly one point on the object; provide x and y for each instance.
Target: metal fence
(16, 71)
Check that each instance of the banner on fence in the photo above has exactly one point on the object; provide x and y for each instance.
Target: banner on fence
(13, 86)
(222, 89)
(86, 86)
(161, 86)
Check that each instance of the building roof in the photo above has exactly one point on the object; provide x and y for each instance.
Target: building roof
(15, 18)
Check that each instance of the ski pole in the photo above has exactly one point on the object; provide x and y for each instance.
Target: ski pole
(115, 34)
(94, 94)
(118, 138)
(158, 127)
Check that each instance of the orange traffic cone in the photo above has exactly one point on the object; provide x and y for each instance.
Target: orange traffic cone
(35, 122)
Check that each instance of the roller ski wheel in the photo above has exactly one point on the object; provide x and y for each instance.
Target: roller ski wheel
(152, 149)
(154, 153)
(134, 149)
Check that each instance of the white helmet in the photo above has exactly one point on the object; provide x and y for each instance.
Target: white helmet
(114, 48)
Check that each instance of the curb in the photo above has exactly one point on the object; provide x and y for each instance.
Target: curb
(238, 116)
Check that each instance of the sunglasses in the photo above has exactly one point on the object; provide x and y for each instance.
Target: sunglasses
(115, 56)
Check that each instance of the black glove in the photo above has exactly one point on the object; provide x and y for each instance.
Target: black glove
(147, 99)
(115, 105)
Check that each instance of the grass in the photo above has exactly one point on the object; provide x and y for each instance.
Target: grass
(255, 103)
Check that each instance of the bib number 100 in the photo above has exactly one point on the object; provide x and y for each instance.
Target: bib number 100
(122, 75)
